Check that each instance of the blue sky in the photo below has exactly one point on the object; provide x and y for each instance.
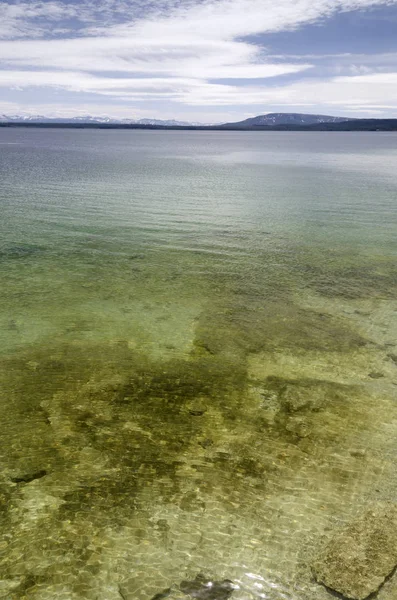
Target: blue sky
(198, 60)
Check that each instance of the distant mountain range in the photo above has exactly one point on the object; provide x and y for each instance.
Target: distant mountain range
(93, 120)
(268, 122)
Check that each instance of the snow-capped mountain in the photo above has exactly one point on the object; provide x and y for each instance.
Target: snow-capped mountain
(91, 119)
(169, 123)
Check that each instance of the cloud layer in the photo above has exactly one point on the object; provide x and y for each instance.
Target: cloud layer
(183, 55)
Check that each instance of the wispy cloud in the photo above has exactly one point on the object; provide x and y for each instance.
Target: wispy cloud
(192, 53)
(355, 92)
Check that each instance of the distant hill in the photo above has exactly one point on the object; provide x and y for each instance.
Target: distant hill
(342, 125)
(275, 119)
(357, 125)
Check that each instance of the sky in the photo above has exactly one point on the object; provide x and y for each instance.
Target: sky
(205, 61)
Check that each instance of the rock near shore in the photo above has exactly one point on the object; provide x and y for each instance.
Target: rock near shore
(358, 559)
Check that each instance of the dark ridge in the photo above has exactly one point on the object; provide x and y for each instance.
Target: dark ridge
(347, 125)
(300, 119)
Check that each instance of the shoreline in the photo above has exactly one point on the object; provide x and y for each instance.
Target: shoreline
(345, 126)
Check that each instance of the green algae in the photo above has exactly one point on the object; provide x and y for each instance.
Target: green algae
(123, 433)
(347, 274)
(145, 453)
(107, 424)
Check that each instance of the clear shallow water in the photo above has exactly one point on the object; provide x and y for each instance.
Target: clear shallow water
(198, 357)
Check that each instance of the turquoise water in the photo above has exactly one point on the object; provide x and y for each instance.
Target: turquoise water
(198, 358)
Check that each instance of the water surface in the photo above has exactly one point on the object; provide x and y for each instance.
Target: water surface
(198, 358)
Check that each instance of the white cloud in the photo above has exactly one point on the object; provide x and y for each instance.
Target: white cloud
(191, 36)
(208, 59)
(175, 51)
(231, 19)
(31, 19)
(368, 93)
(363, 93)
(36, 18)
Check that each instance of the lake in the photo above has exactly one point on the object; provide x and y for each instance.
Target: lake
(198, 358)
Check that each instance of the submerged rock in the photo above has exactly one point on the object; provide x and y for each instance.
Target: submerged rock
(358, 560)
(200, 588)
(393, 357)
(375, 375)
(205, 589)
(28, 477)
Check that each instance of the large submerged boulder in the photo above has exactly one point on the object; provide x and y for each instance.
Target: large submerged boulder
(360, 557)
